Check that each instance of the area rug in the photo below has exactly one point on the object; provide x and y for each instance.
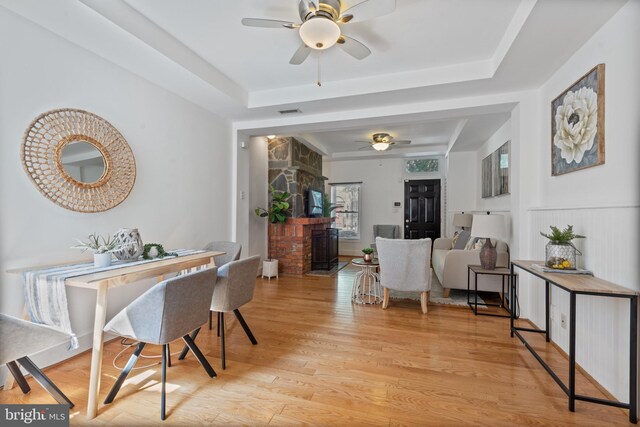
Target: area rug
(324, 273)
(456, 296)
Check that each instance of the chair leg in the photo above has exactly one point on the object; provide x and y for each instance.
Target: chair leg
(221, 326)
(15, 371)
(447, 292)
(424, 299)
(163, 396)
(168, 351)
(385, 298)
(210, 319)
(185, 349)
(245, 327)
(218, 323)
(196, 351)
(44, 381)
(123, 375)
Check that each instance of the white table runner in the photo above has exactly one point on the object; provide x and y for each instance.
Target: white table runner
(45, 294)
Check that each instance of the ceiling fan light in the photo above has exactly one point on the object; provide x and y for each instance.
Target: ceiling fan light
(380, 146)
(319, 33)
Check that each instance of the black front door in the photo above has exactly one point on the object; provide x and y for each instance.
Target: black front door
(422, 209)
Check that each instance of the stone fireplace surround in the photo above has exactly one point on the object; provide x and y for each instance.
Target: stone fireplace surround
(295, 168)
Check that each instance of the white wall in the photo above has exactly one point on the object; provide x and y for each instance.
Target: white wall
(258, 195)
(495, 141)
(183, 157)
(461, 189)
(382, 185)
(601, 202)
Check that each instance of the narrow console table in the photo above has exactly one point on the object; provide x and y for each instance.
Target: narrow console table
(580, 285)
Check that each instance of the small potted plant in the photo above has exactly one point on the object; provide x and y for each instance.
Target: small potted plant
(277, 213)
(102, 248)
(560, 251)
(368, 254)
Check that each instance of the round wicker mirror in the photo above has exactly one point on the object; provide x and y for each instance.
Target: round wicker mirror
(78, 160)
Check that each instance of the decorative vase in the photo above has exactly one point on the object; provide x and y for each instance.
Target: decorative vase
(367, 257)
(102, 260)
(488, 255)
(561, 256)
(131, 244)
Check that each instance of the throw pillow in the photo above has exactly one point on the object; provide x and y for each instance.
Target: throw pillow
(462, 239)
(454, 239)
(469, 246)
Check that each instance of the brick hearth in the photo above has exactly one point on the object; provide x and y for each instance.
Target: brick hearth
(291, 243)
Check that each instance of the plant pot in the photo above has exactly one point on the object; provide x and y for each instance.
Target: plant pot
(367, 257)
(102, 260)
(561, 256)
(270, 268)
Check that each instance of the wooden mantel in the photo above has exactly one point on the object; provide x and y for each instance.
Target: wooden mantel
(291, 243)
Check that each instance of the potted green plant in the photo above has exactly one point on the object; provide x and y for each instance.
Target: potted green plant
(368, 254)
(277, 213)
(102, 248)
(328, 207)
(560, 251)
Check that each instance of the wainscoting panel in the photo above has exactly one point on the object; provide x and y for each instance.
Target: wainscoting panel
(602, 324)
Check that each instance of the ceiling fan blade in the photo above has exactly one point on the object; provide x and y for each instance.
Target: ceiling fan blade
(301, 54)
(368, 9)
(363, 142)
(404, 141)
(366, 148)
(268, 23)
(353, 47)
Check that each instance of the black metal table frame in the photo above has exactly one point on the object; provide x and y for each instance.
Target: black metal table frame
(570, 390)
(474, 305)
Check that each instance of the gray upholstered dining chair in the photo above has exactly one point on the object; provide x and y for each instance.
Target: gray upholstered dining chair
(170, 310)
(20, 338)
(405, 266)
(232, 252)
(234, 288)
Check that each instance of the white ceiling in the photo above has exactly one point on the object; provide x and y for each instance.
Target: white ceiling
(420, 34)
(426, 50)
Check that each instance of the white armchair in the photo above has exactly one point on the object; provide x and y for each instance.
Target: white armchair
(405, 266)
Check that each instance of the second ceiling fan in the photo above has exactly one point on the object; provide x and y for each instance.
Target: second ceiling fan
(383, 141)
(320, 26)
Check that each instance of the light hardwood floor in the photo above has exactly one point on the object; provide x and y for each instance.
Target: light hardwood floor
(323, 361)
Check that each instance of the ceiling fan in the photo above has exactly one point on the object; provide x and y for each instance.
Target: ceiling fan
(320, 26)
(383, 141)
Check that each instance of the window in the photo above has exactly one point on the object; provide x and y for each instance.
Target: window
(346, 198)
(421, 165)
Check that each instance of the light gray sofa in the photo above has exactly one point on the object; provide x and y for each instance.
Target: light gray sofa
(450, 266)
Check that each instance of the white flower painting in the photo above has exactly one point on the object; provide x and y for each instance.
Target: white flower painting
(578, 137)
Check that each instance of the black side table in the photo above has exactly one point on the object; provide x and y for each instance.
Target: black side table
(498, 271)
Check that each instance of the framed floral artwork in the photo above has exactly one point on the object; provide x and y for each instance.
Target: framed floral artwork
(577, 124)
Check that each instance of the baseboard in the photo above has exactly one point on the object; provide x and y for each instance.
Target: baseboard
(579, 368)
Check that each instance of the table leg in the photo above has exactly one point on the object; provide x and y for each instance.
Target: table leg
(356, 285)
(547, 316)
(633, 360)
(512, 300)
(572, 352)
(96, 353)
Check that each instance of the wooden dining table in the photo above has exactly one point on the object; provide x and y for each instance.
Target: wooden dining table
(103, 281)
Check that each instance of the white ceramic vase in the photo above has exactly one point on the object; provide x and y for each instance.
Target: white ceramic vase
(131, 242)
(102, 260)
